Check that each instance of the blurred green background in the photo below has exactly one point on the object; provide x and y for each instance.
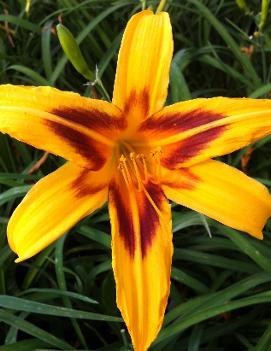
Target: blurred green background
(64, 298)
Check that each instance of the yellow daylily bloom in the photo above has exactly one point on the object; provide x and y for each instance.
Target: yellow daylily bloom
(134, 153)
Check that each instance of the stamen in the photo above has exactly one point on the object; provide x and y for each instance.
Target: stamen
(145, 169)
(127, 172)
(138, 168)
(159, 213)
(121, 169)
(138, 178)
(124, 170)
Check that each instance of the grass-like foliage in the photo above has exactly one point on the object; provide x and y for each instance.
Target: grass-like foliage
(64, 298)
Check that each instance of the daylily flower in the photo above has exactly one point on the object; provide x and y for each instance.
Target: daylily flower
(135, 153)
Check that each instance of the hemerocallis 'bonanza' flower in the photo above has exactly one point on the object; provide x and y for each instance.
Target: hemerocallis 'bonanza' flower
(135, 153)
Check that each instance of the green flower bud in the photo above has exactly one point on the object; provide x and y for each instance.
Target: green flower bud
(73, 52)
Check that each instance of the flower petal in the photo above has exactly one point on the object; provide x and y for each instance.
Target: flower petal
(142, 74)
(222, 193)
(53, 206)
(194, 131)
(142, 252)
(63, 123)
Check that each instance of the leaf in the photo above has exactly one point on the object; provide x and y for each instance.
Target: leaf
(19, 304)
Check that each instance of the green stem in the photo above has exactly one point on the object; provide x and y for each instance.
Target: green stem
(161, 6)
(100, 84)
(143, 4)
(264, 14)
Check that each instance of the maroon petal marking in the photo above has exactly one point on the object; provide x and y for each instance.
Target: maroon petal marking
(190, 147)
(149, 220)
(148, 216)
(138, 99)
(180, 121)
(186, 180)
(94, 119)
(124, 218)
(82, 187)
(80, 142)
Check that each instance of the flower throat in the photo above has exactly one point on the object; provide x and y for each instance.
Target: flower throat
(137, 168)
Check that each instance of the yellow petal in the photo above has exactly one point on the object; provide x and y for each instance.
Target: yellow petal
(53, 206)
(63, 123)
(142, 75)
(194, 131)
(142, 252)
(222, 193)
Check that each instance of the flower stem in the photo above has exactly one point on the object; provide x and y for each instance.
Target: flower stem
(100, 83)
(161, 6)
(143, 4)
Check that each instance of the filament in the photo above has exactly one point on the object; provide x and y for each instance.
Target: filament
(145, 169)
(138, 168)
(152, 203)
(138, 178)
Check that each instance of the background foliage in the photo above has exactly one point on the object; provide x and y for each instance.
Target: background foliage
(64, 298)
